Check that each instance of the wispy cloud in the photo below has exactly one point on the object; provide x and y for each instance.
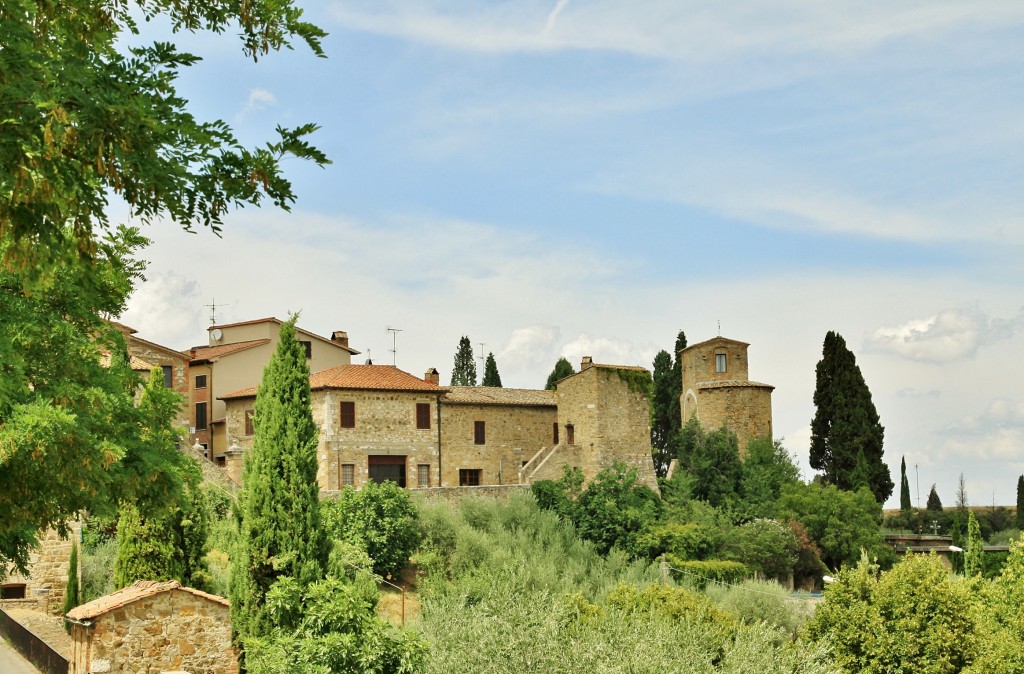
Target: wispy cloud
(951, 334)
(259, 99)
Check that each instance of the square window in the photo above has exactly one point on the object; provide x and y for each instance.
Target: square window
(348, 474)
(249, 428)
(200, 381)
(470, 477)
(348, 414)
(423, 475)
(479, 433)
(423, 416)
(720, 362)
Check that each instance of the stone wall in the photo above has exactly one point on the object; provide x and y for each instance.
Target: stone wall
(512, 435)
(745, 410)
(47, 572)
(171, 631)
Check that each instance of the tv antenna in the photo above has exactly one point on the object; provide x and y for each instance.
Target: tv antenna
(719, 328)
(213, 310)
(482, 356)
(394, 343)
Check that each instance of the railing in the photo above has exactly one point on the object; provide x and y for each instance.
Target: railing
(34, 649)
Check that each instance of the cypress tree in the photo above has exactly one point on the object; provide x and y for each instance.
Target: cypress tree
(663, 403)
(563, 368)
(974, 554)
(491, 376)
(905, 504)
(845, 422)
(677, 382)
(1020, 502)
(934, 503)
(464, 371)
(71, 593)
(281, 532)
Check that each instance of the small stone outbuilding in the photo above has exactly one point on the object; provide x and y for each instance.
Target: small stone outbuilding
(152, 627)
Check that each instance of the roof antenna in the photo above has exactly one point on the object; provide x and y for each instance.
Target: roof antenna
(394, 343)
(213, 310)
(719, 328)
(482, 356)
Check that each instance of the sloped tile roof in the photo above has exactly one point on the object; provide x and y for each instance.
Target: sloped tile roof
(357, 377)
(605, 366)
(491, 395)
(732, 383)
(210, 352)
(140, 589)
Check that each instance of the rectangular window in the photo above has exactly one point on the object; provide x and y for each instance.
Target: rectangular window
(719, 362)
(13, 591)
(348, 414)
(423, 416)
(423, 475)
(200, 381)
(554, 432)
(479, 433)
(348, 474)
(200, 416)
(249, 428)
(570, 434)
(470, 477)
(308, 348)
(168, 376)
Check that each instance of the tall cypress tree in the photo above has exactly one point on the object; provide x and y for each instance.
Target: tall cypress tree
(71, 592)
(491, 376)
(663, 402)
(845, 422)
(905, 504)
(974, 555)
(1020, 502)
(464, 371)
(677, 382)
(563, 368)
(281, 531)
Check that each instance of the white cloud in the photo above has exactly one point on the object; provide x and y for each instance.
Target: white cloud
(167, 309)
(951, 334)
(607, 350)
(259, 99)
(531, 346)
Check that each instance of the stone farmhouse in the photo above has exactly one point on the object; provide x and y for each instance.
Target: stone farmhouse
(718, 390)
(380, 423)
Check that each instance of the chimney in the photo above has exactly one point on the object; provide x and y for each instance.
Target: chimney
(432, 376)
(340, 337)
(587, 362)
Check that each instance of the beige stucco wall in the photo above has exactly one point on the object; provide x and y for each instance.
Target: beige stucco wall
(513, 434)
(170, 631)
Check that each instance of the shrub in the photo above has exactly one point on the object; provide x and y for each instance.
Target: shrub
(765, 601)
(700, 573)
(382, 517)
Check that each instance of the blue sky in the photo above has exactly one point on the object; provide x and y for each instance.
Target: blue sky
(568, 178)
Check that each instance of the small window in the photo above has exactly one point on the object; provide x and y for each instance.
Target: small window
(554, 432)
(470, 477)
(222, 461)
(720, 362)
(249, 428)
(570, 434)
(479, 433)
(348, 414)
(201, 416)
(13, 591)
(168, 376)
(308, 348)
(423, 475)
(423, 416)
(348, 474)
(200, 381)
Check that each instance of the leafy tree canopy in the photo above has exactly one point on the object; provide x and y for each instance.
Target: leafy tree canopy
(767, 468)
(464, 370)
(846, 426)
(713, 460)
(491, 376)
(87, 115)
(563, 368)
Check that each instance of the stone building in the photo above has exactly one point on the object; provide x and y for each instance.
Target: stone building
(234, 359)
(718, 390)
(44, 586)
(377, 422)
(153, 627)
(146, 356)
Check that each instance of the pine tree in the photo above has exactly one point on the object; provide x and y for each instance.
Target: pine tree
(934, 503)
(663, 402)
(563, 368)
(1020, 502)
(845, 422)
(281, 533)
(905, 504)
(71, 593)
(464, 371)
(491, 376)
(975, 552)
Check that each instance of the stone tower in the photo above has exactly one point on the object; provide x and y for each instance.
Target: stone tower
(718, 390)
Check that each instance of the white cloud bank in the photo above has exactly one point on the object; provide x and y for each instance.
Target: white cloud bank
(951, 334)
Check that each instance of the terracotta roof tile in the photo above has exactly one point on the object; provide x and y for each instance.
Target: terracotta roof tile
(606, 366)
(732, 383)
(210, 352)
(490, 395)
(141, 589)
(358, 377)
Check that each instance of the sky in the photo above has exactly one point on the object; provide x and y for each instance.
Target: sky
(566, 179)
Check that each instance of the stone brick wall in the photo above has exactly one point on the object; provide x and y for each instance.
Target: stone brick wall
(746, 410)
(512, 434)
(171, 631)
(48, 572)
